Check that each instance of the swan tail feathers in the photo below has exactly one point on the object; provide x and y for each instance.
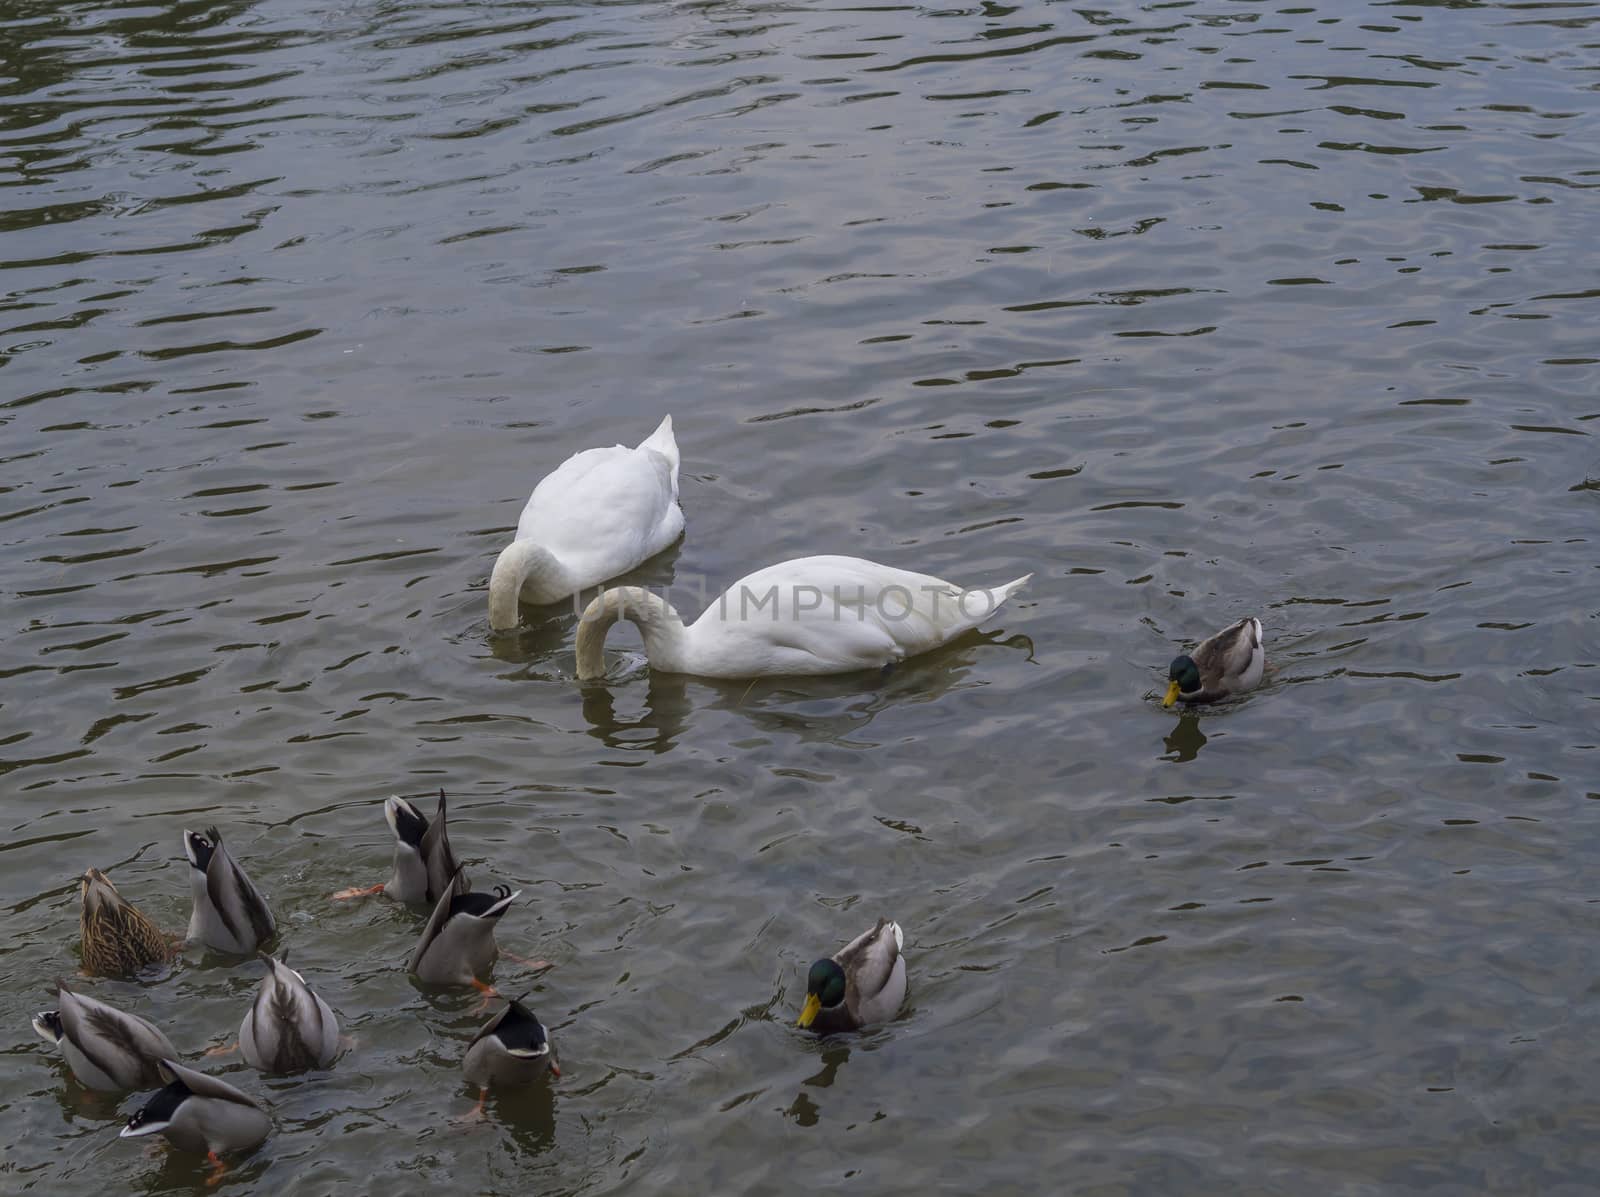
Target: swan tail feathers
(663, 442)
(978, 604)
(994, 598)
(1002, 593)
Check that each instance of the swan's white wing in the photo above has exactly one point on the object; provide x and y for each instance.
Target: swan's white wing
(761, 646)
(603, 511)
(916, 610)
(831, 614)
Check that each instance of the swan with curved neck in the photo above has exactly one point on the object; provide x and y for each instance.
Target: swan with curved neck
(596, 515)
(808, 616)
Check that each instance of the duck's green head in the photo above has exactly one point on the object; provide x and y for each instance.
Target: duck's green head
(1184, 678)
(824, 988)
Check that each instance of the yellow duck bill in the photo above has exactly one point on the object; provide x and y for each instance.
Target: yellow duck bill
(808, 1013)
(1172, 694)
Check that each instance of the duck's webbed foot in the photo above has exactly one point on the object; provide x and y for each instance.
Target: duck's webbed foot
(488, 991)
(357, 891)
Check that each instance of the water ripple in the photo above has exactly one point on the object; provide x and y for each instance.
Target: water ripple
(1196, 311)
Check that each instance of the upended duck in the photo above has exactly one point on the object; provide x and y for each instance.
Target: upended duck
(862, 983)
(458, 945)
(808, 616)
(512, 1049)
(1230, 662)
(106, 1048)
(116, 938)
(201, 1113)
(596, 515)
(288, 1028)
(424, 863)
(230, 914)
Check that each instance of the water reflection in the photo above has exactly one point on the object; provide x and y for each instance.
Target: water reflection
(656, 729)
(544, 633)
(529, 1113)
(277, 318)
(78, 1102)
(832, 709)
(1185, 740)
(185, 1172)
(803, 1109)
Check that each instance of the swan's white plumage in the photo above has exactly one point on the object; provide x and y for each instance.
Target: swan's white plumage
(811, 615)
(596, 515)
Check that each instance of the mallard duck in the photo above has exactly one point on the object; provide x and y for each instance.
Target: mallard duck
(811, 615)
(117, 939)
(596, 515)
(106, 1048)
(423, 860)
(288, 1028)
(458, 946)
(512, 1048)
(862, 983)
(1230, 662)
(201, 1113)
(230, 914)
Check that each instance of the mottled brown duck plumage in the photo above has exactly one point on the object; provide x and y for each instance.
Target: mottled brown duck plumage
(117, 938)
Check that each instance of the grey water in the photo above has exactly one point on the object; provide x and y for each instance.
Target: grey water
(1195, 310)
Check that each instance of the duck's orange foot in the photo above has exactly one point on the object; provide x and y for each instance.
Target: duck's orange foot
(525, 961)
(488, 991)
(218, 1167)
(357, 892)
(225, 1050)
(476, 1114)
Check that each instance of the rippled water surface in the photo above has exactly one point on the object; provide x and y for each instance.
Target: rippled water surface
(1197, 310)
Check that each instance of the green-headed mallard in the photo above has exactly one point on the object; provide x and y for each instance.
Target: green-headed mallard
(1228, 663)
(862, 983)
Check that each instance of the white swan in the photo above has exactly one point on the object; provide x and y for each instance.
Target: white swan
(596, 515)
(812, 615)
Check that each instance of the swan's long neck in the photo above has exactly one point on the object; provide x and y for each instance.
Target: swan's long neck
(663, 632)
(521, 562)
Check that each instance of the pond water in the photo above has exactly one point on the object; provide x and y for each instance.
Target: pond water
(1196, 310)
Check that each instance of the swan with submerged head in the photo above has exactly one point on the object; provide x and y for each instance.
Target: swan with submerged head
(596, 515)
(808, 616)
